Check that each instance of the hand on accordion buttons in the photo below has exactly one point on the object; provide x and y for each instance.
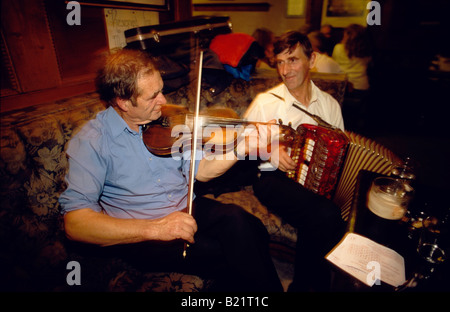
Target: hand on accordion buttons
(280, 159)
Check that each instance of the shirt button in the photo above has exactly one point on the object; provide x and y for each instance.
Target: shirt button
(149, 158)
(170, 195)
(159, 180)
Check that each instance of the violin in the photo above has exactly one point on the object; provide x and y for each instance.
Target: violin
(221, 128)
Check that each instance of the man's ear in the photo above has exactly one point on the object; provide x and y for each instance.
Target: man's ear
(312, 60)
(123, 104)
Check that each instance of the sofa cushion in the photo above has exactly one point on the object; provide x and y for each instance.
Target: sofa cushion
(33, 165)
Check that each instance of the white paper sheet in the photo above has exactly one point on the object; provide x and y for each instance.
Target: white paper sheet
(117, 21)
(368, 261)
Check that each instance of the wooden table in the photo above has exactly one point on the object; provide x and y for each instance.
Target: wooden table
(394, 234)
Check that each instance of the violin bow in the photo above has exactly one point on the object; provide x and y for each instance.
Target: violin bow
(194, 144)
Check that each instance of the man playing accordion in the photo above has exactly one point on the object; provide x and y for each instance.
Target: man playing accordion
(316, 218)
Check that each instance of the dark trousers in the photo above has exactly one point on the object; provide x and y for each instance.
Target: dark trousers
(317, 220)
(231, 247)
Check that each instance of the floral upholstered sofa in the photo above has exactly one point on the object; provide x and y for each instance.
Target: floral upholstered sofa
(34, 251)
(35, 255)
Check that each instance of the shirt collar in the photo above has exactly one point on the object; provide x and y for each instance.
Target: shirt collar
(115, 123)
(291, 99)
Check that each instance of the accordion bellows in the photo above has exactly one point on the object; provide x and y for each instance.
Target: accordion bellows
(362, 154)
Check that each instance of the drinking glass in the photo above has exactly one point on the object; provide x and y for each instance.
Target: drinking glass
(433, 249)
(388, 198)
(433, 242)
(404, 170)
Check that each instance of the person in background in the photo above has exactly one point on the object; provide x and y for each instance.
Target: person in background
(354, 55)
(265, 38)
(324, 63)
(317, 220)
(132, 203)
(326, 30)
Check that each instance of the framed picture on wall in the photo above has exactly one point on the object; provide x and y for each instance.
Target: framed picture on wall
(341, 13)
(295, 8)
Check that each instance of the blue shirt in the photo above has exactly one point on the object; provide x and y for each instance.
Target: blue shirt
(111, 171)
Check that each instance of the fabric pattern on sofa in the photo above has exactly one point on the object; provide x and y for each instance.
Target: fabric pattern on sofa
(33, 166)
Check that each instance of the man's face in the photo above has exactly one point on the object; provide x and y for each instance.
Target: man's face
(148, 103)
(294, 67)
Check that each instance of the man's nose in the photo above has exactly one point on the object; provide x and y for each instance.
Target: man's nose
(282, 69)
(162, 99)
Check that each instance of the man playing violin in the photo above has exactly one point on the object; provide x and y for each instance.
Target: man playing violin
(317, 219)
(130, 201)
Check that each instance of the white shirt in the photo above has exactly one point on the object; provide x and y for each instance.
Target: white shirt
(267, 106)
(325, 64)
(355, 67)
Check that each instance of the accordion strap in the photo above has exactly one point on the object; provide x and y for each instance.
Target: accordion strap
(316, 118)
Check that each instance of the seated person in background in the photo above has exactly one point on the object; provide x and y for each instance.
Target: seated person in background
(122, 196)
(353, 54)
(324, 63)
(317, 219)
(265, 38)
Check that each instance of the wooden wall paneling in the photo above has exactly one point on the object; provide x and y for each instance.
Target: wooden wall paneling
(78, 47)
(314, 14)
(44, 59)
(27, 36)
(8, 82)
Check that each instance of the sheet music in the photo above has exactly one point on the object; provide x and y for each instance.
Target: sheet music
(368, 261)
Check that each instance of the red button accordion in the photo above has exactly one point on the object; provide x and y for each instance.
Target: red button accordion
(328, 161)
(319, 153)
